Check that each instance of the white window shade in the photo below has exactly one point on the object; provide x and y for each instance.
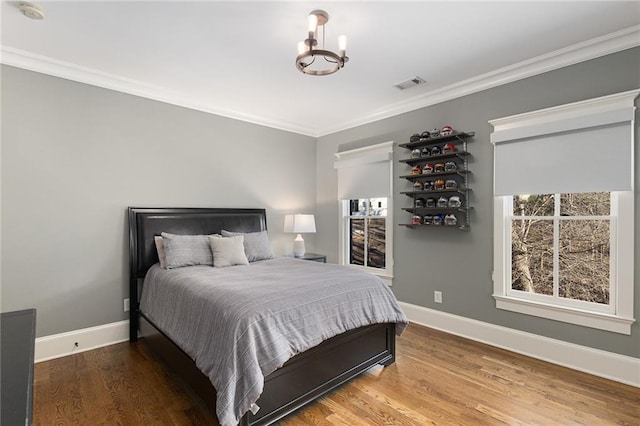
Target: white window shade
(581, 147)
(365, 172)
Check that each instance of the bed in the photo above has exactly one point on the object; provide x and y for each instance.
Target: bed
(300, 380)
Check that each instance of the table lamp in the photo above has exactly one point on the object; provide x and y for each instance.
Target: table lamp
(299, 224)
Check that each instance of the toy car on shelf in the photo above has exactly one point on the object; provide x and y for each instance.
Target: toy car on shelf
(446, 131)
(450, 184)
(449, 147)
(450, 219)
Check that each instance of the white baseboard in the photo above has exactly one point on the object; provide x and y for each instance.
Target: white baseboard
(63, 344)
(600, 363)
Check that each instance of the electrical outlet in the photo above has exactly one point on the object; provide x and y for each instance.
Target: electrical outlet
(437, 296)
(126, 305)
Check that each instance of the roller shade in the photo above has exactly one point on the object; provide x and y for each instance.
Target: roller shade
(365, 172)
(581, 147)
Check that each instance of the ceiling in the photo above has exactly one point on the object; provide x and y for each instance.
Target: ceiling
(237, 59)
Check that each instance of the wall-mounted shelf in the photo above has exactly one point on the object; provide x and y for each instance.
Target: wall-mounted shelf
(458, 172)
(436, 209)
(412, 226)
(454, 137)
(434, 158)
(420, 157)
(435, 191)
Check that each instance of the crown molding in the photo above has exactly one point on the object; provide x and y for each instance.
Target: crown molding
(580, 52)
(69, 71)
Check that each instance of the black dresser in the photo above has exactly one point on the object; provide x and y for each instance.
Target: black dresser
(18, 333)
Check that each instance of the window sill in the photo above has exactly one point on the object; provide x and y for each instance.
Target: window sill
(600, 321)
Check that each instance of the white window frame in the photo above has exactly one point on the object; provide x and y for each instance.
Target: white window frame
(618, 317)
(356, 157)
(345, 214)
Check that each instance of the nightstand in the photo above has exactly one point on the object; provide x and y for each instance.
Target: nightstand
(322, 258)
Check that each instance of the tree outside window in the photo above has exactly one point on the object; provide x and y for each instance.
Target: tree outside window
(367, 223)
(561, 246)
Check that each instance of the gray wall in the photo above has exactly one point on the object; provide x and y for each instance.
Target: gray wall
(460, 263)
(75, 156)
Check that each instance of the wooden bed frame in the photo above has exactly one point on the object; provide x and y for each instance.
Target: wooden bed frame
(300, 380)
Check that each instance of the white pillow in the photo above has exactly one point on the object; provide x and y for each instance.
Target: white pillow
(160, 248)
(228, 251)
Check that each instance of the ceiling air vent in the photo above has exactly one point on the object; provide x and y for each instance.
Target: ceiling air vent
(412, 82)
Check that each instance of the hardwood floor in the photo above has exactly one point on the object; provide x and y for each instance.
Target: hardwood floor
(437, 379)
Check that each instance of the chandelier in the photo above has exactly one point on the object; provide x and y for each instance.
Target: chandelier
(314, 61)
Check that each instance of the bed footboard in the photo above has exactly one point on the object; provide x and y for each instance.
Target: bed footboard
(299, 381)
(319, 370)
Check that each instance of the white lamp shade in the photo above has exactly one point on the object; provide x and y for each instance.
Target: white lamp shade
(299, 223)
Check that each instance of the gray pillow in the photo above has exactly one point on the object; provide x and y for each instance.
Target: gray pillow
(186, 250)
(256, 244)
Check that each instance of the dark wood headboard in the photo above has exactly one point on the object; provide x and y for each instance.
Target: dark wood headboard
(146, 223)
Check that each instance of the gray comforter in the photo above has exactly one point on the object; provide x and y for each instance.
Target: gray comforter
(241, 323)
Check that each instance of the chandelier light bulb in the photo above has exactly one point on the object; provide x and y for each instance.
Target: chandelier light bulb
(313, 23)
(342, 44)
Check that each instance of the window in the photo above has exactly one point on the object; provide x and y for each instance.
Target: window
(564, 213)
(367, 228)
(560, 249)
(364, 196)
(566, 257)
